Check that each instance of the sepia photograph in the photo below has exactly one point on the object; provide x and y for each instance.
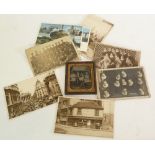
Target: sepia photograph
(78, 34)
(32, 94)
(99, 29)
(122, 83)
(108, 56)
(85, 117)
(51, 55)
(80, 78)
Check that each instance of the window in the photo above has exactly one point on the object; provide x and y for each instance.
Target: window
(96, 112)
(79, 112)
(70, 112)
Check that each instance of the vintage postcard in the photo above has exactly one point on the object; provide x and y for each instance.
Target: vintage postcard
(79, 35)
(99, 29)
(32, 94)
(108, 56)
(51, 55)
(85, 117)
(80, 78)
(122, 83)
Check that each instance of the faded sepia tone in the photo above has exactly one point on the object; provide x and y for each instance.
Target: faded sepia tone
(51, 55)
(122, 83)
(85, 117)
(108, 56)
(99, 29)
(79, 35)
(80, 78)
(32, 94)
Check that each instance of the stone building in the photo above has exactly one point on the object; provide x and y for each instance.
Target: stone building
(13, 101)
(25, 97)
(52, 86)
(40, 90)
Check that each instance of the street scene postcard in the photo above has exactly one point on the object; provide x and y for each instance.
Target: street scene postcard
(32, 94)
(85, 117)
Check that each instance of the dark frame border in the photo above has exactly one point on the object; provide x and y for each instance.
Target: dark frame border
(66, 77)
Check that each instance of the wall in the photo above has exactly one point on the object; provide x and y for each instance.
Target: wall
(87, 112)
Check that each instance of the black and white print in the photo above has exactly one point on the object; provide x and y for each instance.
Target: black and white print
(122, 83)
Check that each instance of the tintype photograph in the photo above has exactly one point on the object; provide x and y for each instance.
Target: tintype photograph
(122, 83)
(99, 29)
(80, 78)
(51, 55)
(107, 56)
(85, 117)
(78, 34)
(32, 94)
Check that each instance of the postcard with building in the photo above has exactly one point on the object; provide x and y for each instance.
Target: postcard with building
(108, 56)
(51, 55)
(78, 34)
(99, 29)
(32, 94)
(122, 83)
(85, 117)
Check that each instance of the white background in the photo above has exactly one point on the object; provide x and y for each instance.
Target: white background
(134, 118)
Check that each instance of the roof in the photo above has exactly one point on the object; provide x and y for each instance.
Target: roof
(25, 94)
(88, 105)
(88, 117)
(12, 87)
(39, 84)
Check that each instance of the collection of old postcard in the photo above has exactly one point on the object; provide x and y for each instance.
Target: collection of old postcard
(110, 72)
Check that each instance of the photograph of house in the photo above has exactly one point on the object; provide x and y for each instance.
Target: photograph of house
(84, 117)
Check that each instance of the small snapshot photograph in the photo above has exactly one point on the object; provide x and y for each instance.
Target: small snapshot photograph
(85, 117)
(122, 83)
(80, 78)
(50, 32)
(107, 56)
(50, 55)
(84, 44)
(99, 29)
(85, 34)
(32, 94)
